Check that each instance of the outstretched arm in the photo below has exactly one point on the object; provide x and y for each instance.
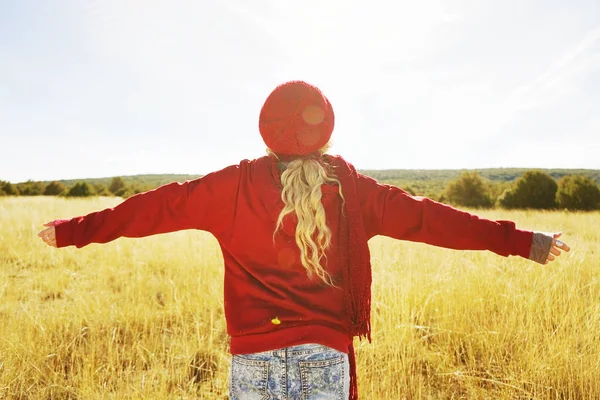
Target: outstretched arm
(205, 203)
(390, 211)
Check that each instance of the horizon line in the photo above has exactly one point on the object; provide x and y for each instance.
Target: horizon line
(359, 169)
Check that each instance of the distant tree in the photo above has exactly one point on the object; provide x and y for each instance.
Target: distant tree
(124, 193)
(497, 188)
(55, 189)
(101, 190)
(80, 189)
(140, 187)
(507, 199)
(576, 192)
(31, 188)
(535, 189)
(469, 190)
(116, 184)
(8, 189)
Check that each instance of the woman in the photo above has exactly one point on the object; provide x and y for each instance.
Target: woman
(293, 227)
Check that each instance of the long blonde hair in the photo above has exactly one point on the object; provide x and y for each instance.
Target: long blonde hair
(301, 193)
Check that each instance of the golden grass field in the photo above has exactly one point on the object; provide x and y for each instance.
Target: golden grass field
(143, 318)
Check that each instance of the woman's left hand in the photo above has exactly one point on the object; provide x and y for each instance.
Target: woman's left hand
(48, 235)
(557, 246)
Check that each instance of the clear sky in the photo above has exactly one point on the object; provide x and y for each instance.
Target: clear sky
(119, 87)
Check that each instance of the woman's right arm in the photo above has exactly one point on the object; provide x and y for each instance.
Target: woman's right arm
(205, 203)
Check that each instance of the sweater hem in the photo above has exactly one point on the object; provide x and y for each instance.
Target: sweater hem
(287, 337)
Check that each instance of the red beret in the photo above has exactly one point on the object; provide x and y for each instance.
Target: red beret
(296, 119)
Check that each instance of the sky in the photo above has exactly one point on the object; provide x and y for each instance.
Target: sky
(122, 87)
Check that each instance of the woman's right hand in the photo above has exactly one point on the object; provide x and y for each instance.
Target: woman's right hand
(48, 235)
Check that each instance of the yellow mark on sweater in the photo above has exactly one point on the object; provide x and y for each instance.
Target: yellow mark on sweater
(275, 321)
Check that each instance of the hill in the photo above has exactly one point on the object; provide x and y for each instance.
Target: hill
(493, 174)
(150, 180)
(408, 176)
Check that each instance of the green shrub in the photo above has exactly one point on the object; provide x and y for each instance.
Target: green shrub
(469, 190)
(80, 189)
(55, 189)
(116, 184)
(124, 192)
(535, 189)
(576, 192)
(31, 188)
(8, 189)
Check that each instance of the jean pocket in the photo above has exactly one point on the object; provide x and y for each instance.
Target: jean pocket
(323, 379)
(249, 379)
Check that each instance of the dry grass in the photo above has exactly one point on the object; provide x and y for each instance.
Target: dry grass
(143, 318)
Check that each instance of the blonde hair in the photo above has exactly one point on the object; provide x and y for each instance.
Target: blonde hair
(301, 193)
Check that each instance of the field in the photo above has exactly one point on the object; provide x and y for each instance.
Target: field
(143, 319)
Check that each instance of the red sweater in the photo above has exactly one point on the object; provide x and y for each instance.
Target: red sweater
(264, 278)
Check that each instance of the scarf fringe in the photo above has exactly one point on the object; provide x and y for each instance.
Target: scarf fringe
(357, 274)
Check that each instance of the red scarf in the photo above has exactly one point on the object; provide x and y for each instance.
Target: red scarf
(358, 260)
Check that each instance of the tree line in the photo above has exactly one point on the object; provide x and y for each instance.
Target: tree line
(116, 187)
(534, 189)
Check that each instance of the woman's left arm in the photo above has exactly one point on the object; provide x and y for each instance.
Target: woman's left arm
(394, 213)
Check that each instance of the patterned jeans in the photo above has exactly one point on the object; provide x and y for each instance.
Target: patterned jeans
(304, 372)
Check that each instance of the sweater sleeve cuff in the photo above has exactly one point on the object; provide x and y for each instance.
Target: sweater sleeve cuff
(540, 247)
(523, 240)
(64, 232)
